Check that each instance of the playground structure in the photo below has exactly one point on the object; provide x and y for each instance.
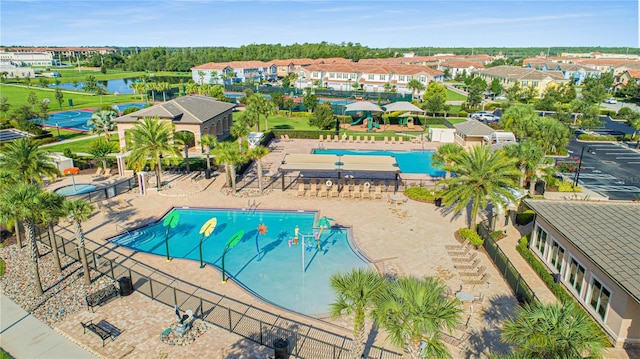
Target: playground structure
(366, 120)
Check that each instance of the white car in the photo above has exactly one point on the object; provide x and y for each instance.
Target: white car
(611, 100)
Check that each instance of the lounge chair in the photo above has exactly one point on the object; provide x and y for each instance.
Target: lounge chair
(465, 259)
(472, 281)
(323, 191)
(286, 138)
(457, 246)
(356, 192)
(98, 172)
(474, 272)
(282, 138)
(122, 203)
(372, 140)
(313, 190)
(336, 139)
(366, 193)
(386, 139)
(467, 266)
(321, 139)
(357, 139)
(400, 140)
(366, 139)
(350, 138)
(300, 189)
(393, 139)
(377, 193)
(102, 209)
(345, 191)
(334, 191)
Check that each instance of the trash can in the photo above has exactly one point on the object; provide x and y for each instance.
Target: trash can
(439, 202)
(281, 347)
(70, 102)
(126, 287)
(207, 173)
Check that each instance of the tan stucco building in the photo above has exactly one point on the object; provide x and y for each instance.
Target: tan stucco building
(199, 115)
(593, 249)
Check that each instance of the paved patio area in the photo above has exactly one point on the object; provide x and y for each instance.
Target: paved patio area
(403, 240)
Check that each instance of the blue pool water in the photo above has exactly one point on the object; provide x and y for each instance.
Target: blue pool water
(77, 189)
(77, 119)
(416, 162)
(278, 277)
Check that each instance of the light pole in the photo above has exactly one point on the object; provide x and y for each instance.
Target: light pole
(575, 182)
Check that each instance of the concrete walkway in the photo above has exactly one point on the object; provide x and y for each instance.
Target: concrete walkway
(508, 246)
(24, 336)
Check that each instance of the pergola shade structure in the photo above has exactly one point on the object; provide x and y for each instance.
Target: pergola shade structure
(362, 106)
(339, 164)
(402, 106)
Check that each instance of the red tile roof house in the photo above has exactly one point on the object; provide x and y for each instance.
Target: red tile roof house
(234, 71)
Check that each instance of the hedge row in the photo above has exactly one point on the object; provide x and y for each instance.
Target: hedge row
(524, 218)
(589, 137)
(471, 235)
(422, 194)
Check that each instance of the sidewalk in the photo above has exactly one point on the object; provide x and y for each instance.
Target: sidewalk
(24, 336)
(508, 246)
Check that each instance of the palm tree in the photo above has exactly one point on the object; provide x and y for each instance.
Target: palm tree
(101, 122)
(23, 203)
(80, 210)
(521, 120)
(556, 330)
(412, 310)
(228, 154)
(268, 109)
(163, 87)
(480, 175)
(27, 161)
(415, 86)
(191, 87)
(184, 138)
(151, 86)
(529, 156)
(257, 153)
(9, 179)
(208, 142)
(100, 150)
(152, 139)
(239, 130)
(52, 211)
(356, 293)
(444, 154)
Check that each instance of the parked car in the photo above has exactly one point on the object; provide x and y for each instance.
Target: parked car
(501, 97)
(611, 100)
(477, 115)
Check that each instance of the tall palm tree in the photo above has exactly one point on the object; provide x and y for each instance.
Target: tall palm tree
(415, 86)
(101, 122)
(228, 154)
(80, 210)
(191, 88)
(27, 161)
(52, 211)
(444, 154)
(356, 294)
(208, 142)
(163, 87)
(152, 140)
(556, 330)
(257, 153)
(480, 175)
(412, 310)
(23, 203)
(184, 138)
(521, 120)
(239, 130)
(9, 179)
(151, 86)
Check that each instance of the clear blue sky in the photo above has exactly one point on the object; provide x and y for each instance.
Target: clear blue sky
(373, 23)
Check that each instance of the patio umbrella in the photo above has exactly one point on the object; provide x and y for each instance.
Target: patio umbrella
(72, 171)
(402, 106)
(362, 106)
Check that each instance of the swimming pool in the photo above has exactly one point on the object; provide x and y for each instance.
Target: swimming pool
(277, 277)
(79, 188)
(415, 162)
(77, 119)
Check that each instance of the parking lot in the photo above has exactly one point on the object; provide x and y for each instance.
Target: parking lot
(612, 169)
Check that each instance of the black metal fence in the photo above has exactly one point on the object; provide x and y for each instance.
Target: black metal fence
(243, 319)
(523, 292)
(108, 191)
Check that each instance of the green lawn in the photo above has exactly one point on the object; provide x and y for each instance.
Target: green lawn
(70, 75)
(4, 355)
(18, 95)
(454, 121)
(454, 96)
(77, 146)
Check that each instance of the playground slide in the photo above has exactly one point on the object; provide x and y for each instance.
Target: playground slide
(358, 121)
(372, 123)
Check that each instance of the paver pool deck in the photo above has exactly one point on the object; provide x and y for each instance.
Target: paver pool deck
(406, 240)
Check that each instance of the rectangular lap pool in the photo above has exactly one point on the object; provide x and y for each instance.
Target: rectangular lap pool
(414, 162)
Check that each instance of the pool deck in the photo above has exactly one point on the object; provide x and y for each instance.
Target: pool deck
(400, 240)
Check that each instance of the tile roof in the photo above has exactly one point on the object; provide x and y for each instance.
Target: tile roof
(521, 73)
(605, 232)
(186, 109)
(473, 128)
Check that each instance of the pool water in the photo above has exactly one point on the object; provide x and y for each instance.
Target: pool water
(79, 188)
(278, 276)
(414, 162)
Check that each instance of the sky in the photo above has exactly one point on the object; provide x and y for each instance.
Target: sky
(372, 23)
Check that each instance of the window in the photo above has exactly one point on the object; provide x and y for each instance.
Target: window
(535, 83)
(555, 256)
(423, 79)
(541, 241)
(401, 78)
(370, 77)
(383, 77)
(599, 298)
(315, 75)
(575, 275)
(525, 83)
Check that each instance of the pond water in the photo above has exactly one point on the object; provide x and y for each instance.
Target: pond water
(121, 86)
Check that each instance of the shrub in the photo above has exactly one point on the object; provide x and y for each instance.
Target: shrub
(422, 194)
(498, 235)
(566, 186)
(524, 218)
(46, 140)
(463, 113)
(589, 137)
(607, 112)
(471, 235)
(1, 267)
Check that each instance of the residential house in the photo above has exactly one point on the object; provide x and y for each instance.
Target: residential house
(13, 71)
(471, 133)
(284, 67)
(509, 75)
(571, 72)
(26, 58)
(199, 115)
(456, 67)
(592, 250)
(234, 71)
(65, 51)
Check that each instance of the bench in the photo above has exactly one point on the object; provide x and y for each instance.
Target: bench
(102, 296)
(103, 329)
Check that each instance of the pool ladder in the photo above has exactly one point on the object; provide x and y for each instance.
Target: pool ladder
(118, 227)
